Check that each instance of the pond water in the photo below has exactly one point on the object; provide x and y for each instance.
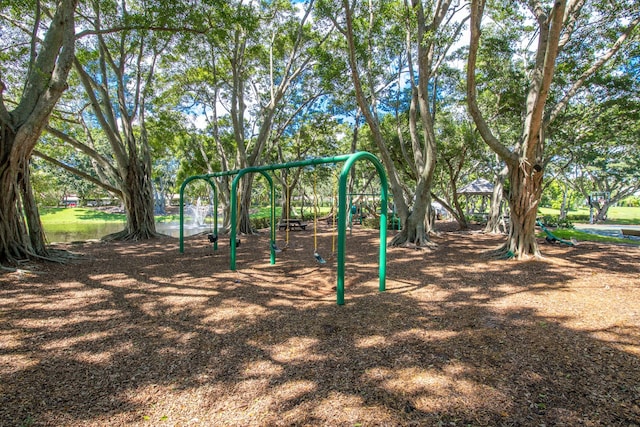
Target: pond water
(64, 233)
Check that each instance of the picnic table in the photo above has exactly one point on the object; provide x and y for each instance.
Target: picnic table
(292, 224)
(627, 232)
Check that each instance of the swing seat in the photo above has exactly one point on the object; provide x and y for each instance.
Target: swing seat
(212, 237)
(319, 258)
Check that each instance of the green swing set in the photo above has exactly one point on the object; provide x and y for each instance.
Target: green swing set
(348, 160)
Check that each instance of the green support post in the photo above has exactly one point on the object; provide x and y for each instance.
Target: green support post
(215, 213)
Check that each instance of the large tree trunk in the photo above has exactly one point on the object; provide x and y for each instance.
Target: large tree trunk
(602, 212)
(138, 202)
(32, 215)
(456, 210)
(224, 197)
(14, 238)
(415, 224)
(244, 191)
(563, 206)
(524, 197)
(21, 232)
(525, 172)
(137, 197)
(495, 222)
(19, 133)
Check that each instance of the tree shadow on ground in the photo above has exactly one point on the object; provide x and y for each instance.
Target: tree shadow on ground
(138, 334)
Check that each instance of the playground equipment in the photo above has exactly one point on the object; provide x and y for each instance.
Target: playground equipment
(551, 238)
(213, 236)
(348, 160)
(288, 211)
(316, 255)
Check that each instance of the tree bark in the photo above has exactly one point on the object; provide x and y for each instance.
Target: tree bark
(19, 133)
(524, 162)
(495, 222)
(416, 223)
(137, 197)
(118, 103)
(14, 238)
(563, 206)
(32, 215)
(244, 192)
(524, 197)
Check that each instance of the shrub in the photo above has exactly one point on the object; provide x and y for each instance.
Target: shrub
(260, 222)
(549, 220)
(371, 222)
(578, 217)
(555, 221)
(565, 223)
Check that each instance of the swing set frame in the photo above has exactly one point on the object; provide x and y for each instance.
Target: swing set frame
(348, 160)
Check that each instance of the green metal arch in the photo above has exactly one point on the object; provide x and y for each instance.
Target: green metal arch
(215, 206)
(207, 177)
(342, 221)
(349, 160)
(234, 212)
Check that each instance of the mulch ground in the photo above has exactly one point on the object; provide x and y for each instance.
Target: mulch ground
(139, 334)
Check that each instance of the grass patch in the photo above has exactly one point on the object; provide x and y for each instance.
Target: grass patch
(59, 219)
(168, 218)
(265, 212)
(54, 216)
(50, 216)
(581, 236)
(616, 215)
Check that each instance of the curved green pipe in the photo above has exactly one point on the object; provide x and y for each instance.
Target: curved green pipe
(234, 213)
(342, 221)
(215, 207)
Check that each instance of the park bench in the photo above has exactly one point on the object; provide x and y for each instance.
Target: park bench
(628, 232)
(291, 224)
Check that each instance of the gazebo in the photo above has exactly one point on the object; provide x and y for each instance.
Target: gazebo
(480, 187)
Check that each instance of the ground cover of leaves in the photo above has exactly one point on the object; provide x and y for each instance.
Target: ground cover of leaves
(139, 334)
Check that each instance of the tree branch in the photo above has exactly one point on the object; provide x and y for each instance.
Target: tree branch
(79, 173)
(110, 131)
(591, 71)
(477, 9)
(547, 52)
(570, 19)
(81, 147)
(5, 117)
(119, 29)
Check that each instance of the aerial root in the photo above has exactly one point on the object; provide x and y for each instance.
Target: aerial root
(126, 236)
(56, 255)
(19, 270)
(401, 240)
(503, 252)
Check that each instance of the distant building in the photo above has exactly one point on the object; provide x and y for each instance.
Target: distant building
(70, 200)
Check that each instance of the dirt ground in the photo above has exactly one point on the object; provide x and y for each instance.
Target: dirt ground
(139, 334)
